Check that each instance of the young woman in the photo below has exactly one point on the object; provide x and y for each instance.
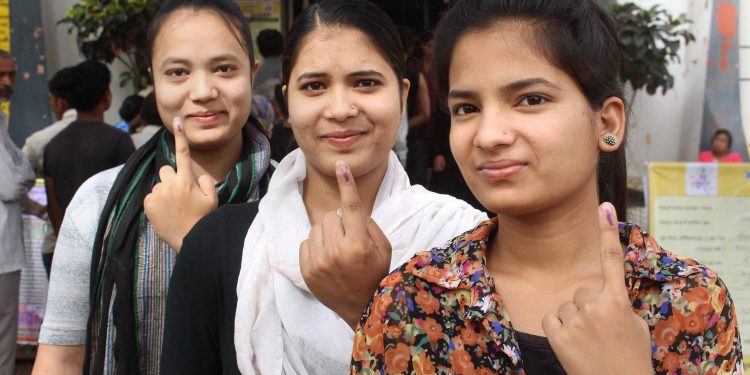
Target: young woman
(344, 81)
(109, 281)
(545, 287)
(721, 149)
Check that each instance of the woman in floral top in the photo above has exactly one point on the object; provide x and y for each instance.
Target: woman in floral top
(561, 286)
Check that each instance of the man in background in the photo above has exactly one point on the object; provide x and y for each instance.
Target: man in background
(16, 177)
(60, 87)
(85, 147)
(270, 43)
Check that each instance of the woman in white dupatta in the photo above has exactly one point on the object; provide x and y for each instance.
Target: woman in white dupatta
(344, 81)
(319, 244)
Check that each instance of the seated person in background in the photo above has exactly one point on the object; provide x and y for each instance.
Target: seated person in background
(150, 122)
(721, 144)
(130, 111)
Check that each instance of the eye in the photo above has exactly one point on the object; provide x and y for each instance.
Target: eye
(367, 83)
(177, 72)
(531, 100)
(226, 69)
(313, 86)
(464, 109)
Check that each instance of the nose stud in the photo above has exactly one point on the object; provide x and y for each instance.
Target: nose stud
(505, 132)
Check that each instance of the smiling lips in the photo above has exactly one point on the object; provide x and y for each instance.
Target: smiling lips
(501, 169)
(208, 117)
(344, 138)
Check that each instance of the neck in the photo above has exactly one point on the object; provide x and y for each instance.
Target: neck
(719, 155)
(560, 242)
(91, 116)
(321, 192)
(218, 161)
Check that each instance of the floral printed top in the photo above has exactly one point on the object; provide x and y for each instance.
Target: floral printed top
(440, 313)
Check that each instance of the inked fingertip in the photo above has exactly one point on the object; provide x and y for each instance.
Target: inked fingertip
(608, 212)
(177, 122)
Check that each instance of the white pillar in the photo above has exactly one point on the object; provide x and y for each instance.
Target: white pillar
(744, 43)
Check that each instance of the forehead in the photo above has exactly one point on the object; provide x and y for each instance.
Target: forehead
(195, 33)
(339, 50)
(501, 54)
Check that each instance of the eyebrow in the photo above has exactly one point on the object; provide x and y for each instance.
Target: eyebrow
(213, 60)
(361, 73)
(507, 89)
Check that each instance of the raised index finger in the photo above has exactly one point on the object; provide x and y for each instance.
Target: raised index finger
(182, 152)
(613, 270)
(352, 216)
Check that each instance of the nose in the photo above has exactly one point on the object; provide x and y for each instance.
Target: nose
(203, 88)
(495, 129)
(340, 105)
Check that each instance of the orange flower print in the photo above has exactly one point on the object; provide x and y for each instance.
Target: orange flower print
(397, 359)
(423, 364)
(381, 305)
(468, 336)
(666, 332)
(433, 330)
(695, 322)
(427, 302)
(698, 295)
(392, 279)
(726, 340)
(671, 363)
(460, 361)
(636, 238)
(395, 331)
(480, 233)
(360, 348)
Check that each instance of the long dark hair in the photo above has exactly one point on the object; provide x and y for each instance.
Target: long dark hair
(361, 15)
(576, 36)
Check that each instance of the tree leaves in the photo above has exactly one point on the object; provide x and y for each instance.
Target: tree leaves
(108, 30)
(650, 40)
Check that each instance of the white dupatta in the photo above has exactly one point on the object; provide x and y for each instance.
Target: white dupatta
(280, 327)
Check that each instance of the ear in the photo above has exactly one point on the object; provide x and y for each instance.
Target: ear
(285, 92)
(611, 121)
(254, 70)
(106, 101)
(404, 95)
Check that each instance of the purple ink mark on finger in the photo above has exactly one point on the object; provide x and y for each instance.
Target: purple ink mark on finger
(609, 216)
(346, 176)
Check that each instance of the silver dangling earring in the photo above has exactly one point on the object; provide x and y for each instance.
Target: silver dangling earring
(610, 140)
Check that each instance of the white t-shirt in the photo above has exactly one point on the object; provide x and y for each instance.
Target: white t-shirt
(68, 305)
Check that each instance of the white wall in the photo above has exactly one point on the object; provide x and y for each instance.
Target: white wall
(667, 127)
(744, 42)
(62, 51)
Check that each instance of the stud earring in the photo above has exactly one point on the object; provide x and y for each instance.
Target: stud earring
(610, 140)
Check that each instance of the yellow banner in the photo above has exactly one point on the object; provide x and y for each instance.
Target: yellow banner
(5, 40)
(702, 211)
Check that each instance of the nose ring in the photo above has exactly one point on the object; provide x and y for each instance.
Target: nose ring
(353, 107)
(505, 132)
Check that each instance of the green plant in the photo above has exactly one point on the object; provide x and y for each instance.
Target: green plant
(114, 29)
(649, 40)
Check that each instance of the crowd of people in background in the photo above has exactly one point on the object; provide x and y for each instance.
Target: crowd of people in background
(124, 200)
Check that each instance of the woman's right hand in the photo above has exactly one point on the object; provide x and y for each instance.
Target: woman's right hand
(177, 202)
(597, 332)
(346, 256)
